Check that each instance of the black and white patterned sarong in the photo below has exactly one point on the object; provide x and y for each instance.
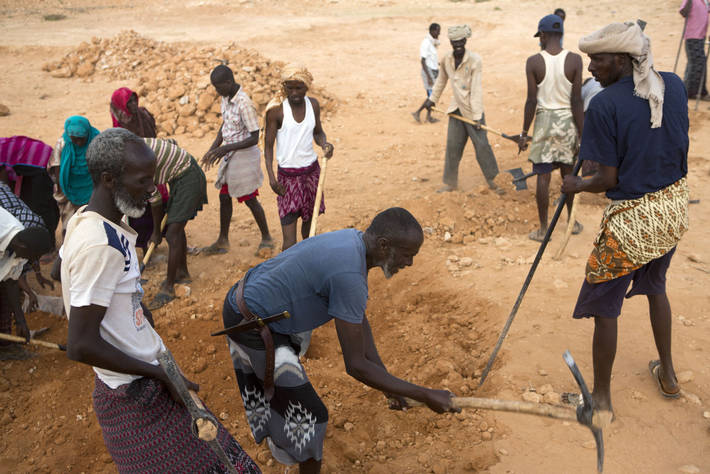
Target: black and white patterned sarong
(295, 418)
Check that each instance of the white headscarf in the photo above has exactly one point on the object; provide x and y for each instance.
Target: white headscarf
(630, 39)
(459, 32)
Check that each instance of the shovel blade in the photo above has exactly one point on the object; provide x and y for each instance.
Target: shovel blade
(519, 178)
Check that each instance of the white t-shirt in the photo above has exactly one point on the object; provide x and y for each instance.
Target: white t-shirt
(427, 51)
(10, 265)
(100, 266)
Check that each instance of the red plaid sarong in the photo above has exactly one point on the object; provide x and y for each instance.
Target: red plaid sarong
(146, 431)
(301, 185)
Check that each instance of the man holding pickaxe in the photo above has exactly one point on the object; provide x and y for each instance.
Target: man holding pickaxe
(145, 427)
(465, 70)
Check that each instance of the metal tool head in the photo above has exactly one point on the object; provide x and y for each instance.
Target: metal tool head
(585, 411)
(519, 178)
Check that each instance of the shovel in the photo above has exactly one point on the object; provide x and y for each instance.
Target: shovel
(520, 178)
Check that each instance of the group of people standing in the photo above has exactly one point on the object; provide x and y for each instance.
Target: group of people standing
(635, 129)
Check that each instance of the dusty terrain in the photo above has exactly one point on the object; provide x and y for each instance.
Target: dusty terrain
(436, 322)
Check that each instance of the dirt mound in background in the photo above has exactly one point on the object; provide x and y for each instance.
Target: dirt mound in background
(173, 80)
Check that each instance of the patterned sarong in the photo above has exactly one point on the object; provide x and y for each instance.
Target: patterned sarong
(635, 231)
(554, 137)
(295, 419)
(301, 186)
(146, 431)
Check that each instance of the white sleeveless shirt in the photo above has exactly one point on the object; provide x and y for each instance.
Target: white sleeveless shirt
(294, 140)
(555, 90)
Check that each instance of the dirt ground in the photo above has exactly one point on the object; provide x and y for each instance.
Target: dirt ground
(436, 322)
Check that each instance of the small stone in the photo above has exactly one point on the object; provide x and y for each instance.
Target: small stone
(466, 262)
(542, 372)
(483, 426)
(263, 456)
(182, 291)
(381, 445)
(447, 236)
(452, 258)
(173, 333)
(636, 395)
(175, 91)
(532, 397)
(486, 436)
(689, 469)
(211, 349)
(502, 242)
(348, 426)
(545, 389)
(688, 322)
(589, 445)
(706, 415)
(485, 240)
(184, 100)
(224, 416)
(468, 239)
(4, 110)
(695, 258)
(691, 397)
(552, 398)
(106, 458)
(685, 377)
(200, 366)
(85, 70)
(502, 452)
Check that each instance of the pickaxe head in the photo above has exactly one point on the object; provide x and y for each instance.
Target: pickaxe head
(585, 411)
(519, 178)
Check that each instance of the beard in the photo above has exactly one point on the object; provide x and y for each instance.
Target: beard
(128, 205)
(387, 266)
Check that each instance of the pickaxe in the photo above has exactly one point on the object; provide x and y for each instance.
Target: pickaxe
(584, 414)
(151, 247)
(204, 425)
(477, 124)
(36, 342)
(520, 178)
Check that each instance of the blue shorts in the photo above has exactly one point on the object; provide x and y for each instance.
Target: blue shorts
(605, 299)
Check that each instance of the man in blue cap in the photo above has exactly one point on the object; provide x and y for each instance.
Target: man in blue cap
(554, 99)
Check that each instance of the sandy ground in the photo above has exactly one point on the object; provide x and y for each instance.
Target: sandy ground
(435, 323)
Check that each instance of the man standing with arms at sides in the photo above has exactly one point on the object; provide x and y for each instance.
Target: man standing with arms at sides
(280, 401)
(554, 79)
(293, 124)
(145, 429)
(695, 13)
(239, 174)
(637, 130)
(465, 70)
(430, 67)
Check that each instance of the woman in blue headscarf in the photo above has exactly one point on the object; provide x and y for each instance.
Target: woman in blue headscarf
(67, 167)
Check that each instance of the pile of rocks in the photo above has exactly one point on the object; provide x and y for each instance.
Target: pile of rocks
(173, 81)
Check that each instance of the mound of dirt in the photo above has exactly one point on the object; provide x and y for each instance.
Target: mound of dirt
(173, 80)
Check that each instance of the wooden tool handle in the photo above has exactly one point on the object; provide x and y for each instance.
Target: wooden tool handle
(570, 227)
(512, 406)
(319, 198)
(206, 430)
(472, 122)
(36, 342)
(151, 247)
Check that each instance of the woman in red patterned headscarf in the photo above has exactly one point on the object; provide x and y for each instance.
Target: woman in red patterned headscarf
(126, 113)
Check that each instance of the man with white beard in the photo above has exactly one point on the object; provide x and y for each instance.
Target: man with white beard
(319, 279)
(111, 330)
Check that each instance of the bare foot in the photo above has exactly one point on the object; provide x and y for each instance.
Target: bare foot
(447, 188)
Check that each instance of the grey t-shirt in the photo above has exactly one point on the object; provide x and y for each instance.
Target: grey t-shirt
(318, 279)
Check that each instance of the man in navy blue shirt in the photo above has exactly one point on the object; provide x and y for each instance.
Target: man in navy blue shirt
(637, 130)
(316, 280)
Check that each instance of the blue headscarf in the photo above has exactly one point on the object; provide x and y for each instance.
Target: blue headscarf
(74, 177)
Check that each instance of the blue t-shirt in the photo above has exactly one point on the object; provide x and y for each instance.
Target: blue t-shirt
(318, 279)
(618, 133)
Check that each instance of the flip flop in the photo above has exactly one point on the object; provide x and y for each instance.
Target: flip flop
(654, 367)
(193, 250)
(213, 250)
(577, 228)
(160, 300)
(537, 235)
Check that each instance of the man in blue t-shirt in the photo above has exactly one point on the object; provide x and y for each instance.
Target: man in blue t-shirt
(316, 280)
(637, 130)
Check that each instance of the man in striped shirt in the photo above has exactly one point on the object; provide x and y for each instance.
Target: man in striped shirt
(188, 192)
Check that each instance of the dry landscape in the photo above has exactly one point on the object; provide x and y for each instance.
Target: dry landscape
(436, 322)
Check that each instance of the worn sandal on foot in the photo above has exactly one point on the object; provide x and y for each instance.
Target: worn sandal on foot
(654, 367)
(213, 250)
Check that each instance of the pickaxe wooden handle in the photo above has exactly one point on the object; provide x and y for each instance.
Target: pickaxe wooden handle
(36, 342)
(319, 197)
(477, 124)
(570, 227)
(151, 247)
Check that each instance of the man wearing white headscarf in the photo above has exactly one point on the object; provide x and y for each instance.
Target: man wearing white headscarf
(465, 69)
(637, 130)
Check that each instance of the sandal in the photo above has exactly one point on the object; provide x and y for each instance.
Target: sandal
(654, 367)
(213, 250)
(160, 300)
(537, 235)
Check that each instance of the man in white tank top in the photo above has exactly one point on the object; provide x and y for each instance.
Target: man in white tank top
(554, 99)
(293, 124)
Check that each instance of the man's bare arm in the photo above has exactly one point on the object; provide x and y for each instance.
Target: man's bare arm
(603, 180)
(318, 132)
(274, 118)
(576, 101)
